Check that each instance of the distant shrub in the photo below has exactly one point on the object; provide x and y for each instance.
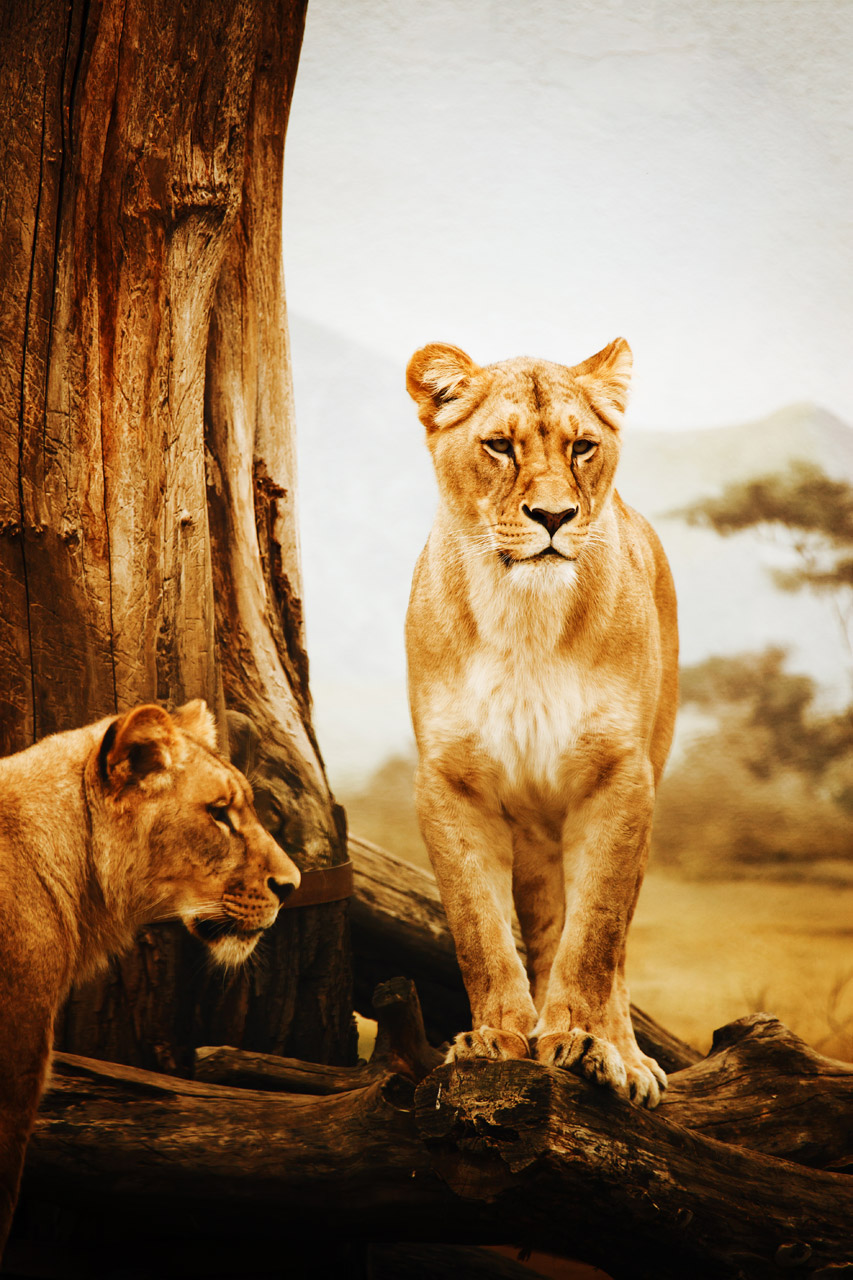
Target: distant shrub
(769, 785)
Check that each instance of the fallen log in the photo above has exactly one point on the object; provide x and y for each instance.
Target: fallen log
(401, 1047)
(220, 1064)
(764, 1088)
(399, 926)
(760, 1087)
(479, 1152)
(629, 1190)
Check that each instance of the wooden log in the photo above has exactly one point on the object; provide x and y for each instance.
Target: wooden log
(238, 1068)
(438, 1261)
(527, 1153)
(623, 1188)
(399, 925)
(401, 1043)
(401, 1047)
(479, 1152)
(761, 1086)
(764, 1088)
(146, 1153)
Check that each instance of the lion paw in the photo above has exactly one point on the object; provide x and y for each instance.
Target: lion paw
(586, 1055)
(488, 1042)
(646, 1082)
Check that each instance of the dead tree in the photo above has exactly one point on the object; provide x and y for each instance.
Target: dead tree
(737, 1174)
(148, 535)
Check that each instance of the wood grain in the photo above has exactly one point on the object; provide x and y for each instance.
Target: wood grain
(478, 1152)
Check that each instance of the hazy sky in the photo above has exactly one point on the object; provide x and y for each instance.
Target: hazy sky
(537, 178)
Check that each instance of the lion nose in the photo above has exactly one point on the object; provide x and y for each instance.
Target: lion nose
(552, 520)
(281, 888)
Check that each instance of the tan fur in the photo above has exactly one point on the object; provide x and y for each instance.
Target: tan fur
(103, 830)
(543, 690)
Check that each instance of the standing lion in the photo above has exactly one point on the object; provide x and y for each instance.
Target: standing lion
(542, 649)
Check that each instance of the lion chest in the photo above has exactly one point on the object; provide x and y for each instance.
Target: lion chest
(527, 716)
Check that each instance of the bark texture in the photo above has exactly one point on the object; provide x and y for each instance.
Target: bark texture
(478, 1152)
(148, 544)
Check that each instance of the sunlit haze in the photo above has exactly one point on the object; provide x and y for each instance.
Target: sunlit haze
(539, 178)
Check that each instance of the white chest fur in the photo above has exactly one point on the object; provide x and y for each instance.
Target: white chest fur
(525, 712)
(523, 699)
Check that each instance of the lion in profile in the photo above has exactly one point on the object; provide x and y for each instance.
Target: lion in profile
(103, 830)
(542, 649)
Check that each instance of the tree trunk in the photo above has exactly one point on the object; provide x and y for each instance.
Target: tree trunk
(148, 539)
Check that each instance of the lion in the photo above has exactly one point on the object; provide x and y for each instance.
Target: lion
(103, 830)
(542, 650)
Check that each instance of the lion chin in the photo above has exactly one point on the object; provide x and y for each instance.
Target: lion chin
(228, 942)
(541, 574)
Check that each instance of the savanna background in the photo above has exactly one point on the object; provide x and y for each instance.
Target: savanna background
(536, 180)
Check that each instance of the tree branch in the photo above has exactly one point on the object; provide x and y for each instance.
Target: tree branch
(481, 1151)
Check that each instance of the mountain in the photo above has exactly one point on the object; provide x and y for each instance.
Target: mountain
(367, 496)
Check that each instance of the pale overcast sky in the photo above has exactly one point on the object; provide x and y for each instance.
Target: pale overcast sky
(537, 178)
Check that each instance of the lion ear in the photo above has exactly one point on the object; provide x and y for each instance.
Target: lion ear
(196, 719)
(439, 380)
(606, 377)
(139, 746)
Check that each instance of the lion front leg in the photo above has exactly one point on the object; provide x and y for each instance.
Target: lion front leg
(26, 1034)
(471, 852)
(585, 1021)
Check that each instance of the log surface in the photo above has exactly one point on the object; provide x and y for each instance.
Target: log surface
(763, 1087)
(626, 1189)
(478, 1152)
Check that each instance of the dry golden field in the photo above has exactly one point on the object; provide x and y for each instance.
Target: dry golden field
(701, 953)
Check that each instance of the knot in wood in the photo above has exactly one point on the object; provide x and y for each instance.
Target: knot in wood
(792, 1254)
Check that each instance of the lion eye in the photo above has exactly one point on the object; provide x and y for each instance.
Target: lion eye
(220, 814)
(582, 447)
(500, 445)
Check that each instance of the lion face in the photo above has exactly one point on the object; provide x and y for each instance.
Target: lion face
(207, 859)
(525, 451)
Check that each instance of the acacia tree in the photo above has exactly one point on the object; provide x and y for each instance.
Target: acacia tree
(815, 514)
(148, 534)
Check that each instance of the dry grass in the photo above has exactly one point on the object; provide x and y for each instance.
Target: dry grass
(701, 953)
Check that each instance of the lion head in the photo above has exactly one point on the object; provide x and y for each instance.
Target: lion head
(524, 451)
(176, 822)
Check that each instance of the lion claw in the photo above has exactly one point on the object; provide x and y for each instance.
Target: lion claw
(488, 1042)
